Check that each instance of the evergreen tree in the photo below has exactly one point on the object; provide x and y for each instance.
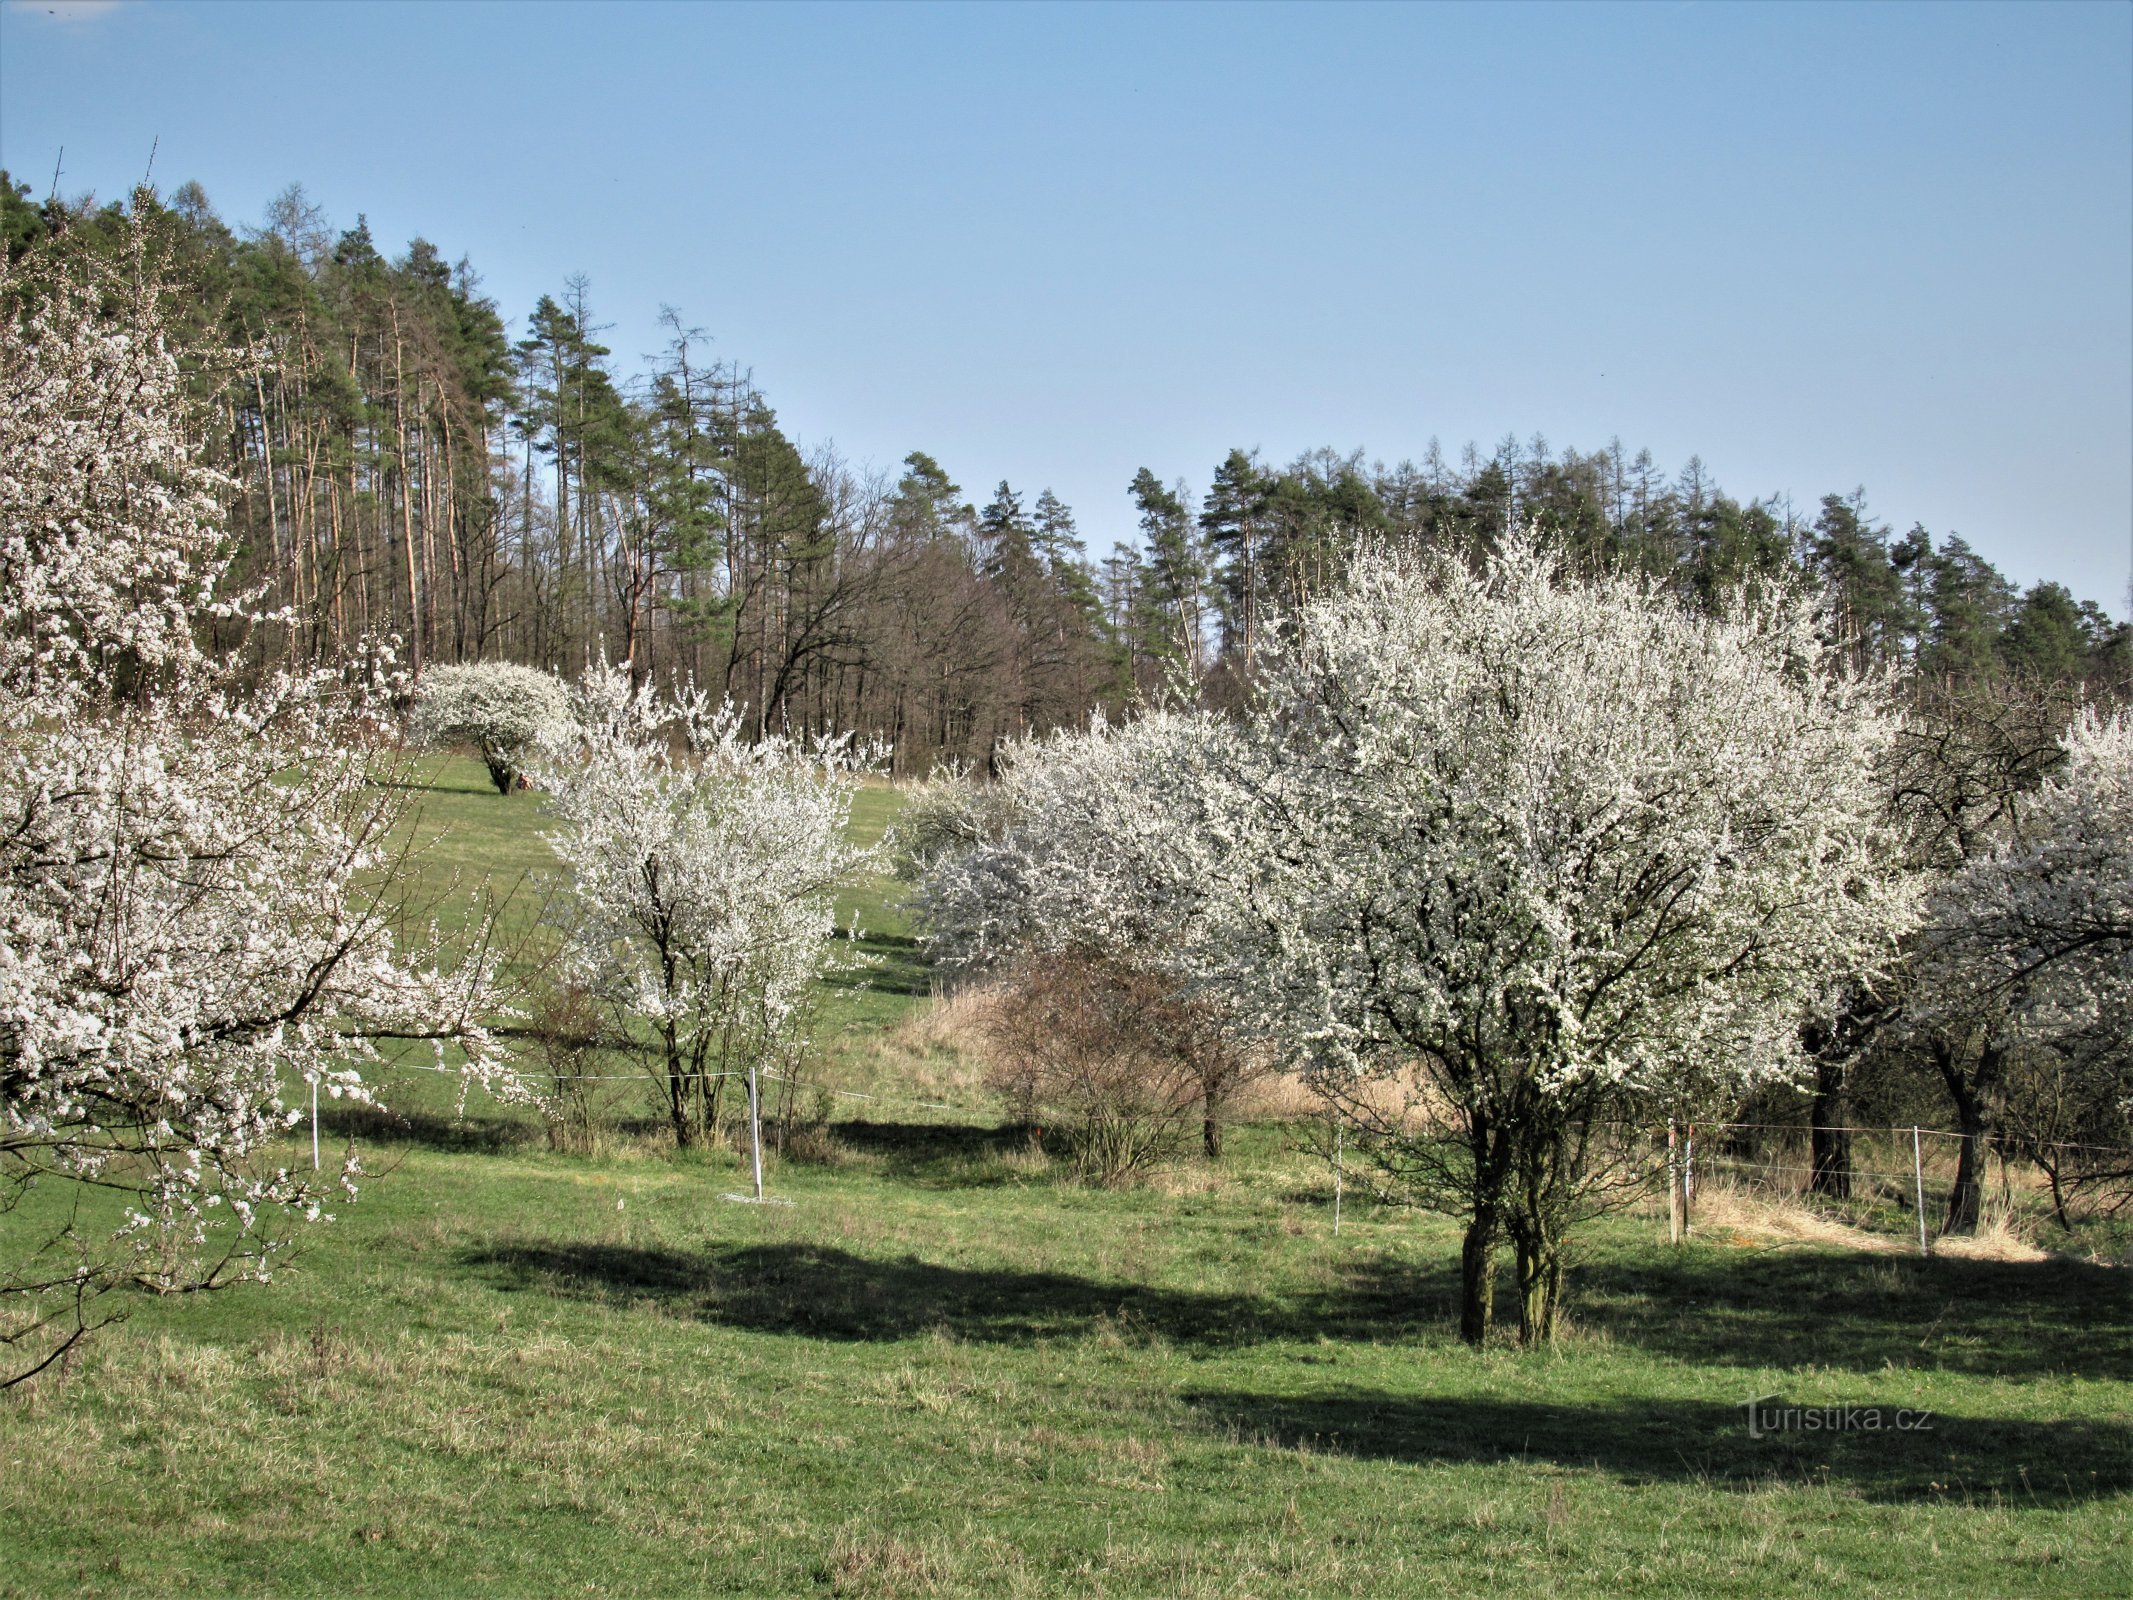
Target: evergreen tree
(2045, 640)
(1850, 553)
(1966, 604)
(1232, 518)
(1177, 570)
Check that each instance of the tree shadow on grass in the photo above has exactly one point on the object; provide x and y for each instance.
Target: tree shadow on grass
(441, 785)
(1994, 1318)
(1956, 1458)
(1863, 1312)
(459, 1135)
(898, 966)
(958, 1153)
(823, 1292)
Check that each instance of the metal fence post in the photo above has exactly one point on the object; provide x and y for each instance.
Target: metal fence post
(1918, 1179)
(1340, 1142)
(1688, 1181)
(755, 1130)
(1673, 1184)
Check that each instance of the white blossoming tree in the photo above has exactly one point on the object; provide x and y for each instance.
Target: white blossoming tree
(189, 924)
(2029, 946)
(1064, 849)
(506, 711)
(705, 867)
(1549, 851)
(1082, 849)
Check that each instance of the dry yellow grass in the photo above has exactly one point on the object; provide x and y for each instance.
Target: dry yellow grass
(1756, 1218)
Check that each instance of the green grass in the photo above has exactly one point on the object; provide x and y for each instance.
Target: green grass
(942, 1370)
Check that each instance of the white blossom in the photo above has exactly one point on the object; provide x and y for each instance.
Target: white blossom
(111, 531)
(705, 867)
(1512, 812)
(506, 711)
(192, 872)
(1077, 844)
(2040, 929)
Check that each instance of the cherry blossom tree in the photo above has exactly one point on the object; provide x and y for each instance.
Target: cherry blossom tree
(705, 865)
(1082, 849)
(192, 926)
(1548, 851)
(1970, 762)
(2028, 945)
(504, 710)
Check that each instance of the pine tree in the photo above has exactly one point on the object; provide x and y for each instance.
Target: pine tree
(1232, 518)
(1966, 604)
(1851, 554)
(2045, 641)
(1177, 569)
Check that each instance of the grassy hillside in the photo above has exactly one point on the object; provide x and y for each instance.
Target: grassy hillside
(942, 1370)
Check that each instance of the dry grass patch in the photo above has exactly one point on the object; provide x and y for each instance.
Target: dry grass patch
(1756, 1218)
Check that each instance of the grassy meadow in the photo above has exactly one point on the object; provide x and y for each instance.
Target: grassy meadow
(945, 1370)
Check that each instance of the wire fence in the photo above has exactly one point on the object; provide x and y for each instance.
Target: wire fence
(1881, 1179)
(1911, 1180)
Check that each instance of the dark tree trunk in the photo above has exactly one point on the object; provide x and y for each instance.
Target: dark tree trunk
(1967, 1094)
(1540, 1289)
(1829, 1137)
(2051, 1174)
(503, 772)
(1211, 1136)
(678, 1108)
(1477, 1281)
(1966, 1197)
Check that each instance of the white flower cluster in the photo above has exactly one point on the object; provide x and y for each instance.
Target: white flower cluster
(1083, 842)
(1503, 814)
(1511, 815)
(187, 931)
(111, 532)
(705, 867)
(508, 712)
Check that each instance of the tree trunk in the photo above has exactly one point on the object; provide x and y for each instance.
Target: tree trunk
(417, 644)
(2051, 1174)
(1540, 1288)
(678, 1108)
(1477, 1281)
(1830, 1140)
(1966, 1197)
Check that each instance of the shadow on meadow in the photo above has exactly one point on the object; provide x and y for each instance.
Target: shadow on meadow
(376, 1125)
(1957, 1458)
(824, 1292)
(897, 966)
(941, 1154)
(1861, 1312)
(1864, 1314)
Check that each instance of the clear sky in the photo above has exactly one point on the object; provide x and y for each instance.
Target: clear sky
(1820, 246)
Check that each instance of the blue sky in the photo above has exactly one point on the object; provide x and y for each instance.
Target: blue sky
(1820, 246)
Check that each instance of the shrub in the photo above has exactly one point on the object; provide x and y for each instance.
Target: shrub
(1091, 1048)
